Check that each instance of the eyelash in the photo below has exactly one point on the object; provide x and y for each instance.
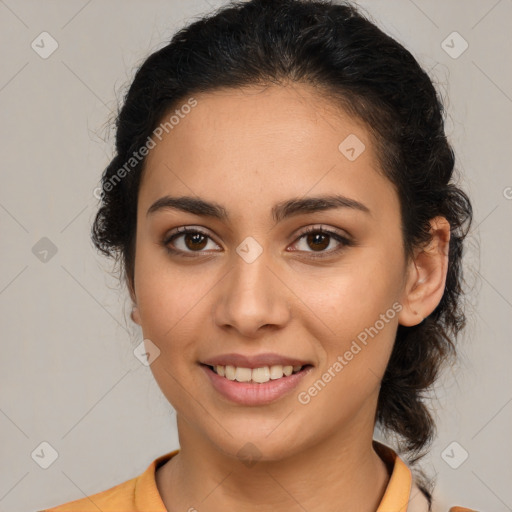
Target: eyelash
(344, 241)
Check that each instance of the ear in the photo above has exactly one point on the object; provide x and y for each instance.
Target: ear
(426, 276)
(135, 315)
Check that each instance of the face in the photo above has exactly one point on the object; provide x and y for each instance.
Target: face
(276, 277)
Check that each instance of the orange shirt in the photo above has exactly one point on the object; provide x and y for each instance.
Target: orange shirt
(140, 494)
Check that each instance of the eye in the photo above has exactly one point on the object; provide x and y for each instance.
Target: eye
(189, 240)
(320, 239)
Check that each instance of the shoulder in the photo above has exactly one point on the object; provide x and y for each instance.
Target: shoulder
(135, 495)
(419, 502)
(403, 492)
(121, 496)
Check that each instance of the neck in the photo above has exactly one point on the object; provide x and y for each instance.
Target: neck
(342, 472)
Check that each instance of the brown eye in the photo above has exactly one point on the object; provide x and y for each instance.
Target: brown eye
(194, 241)
(317, 240)
(187, 240)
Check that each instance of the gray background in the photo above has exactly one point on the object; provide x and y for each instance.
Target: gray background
(68, 373)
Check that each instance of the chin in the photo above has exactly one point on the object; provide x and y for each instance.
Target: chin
(250, 444)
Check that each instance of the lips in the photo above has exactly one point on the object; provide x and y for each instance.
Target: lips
(252, 393)
(256, 361)
(255, 380)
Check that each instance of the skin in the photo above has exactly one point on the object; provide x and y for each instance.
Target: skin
(249, 149)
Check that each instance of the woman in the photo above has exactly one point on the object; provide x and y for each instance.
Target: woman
(283, 207)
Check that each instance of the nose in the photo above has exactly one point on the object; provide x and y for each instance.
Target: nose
(252, 298)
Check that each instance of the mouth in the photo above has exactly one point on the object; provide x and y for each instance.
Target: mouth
(258, 386)
(260, 375)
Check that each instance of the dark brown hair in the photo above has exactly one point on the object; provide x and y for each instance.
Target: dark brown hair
(335, 48)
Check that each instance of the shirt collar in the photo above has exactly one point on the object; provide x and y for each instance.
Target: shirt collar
(397, 497)
(147, 498)
(402, 494)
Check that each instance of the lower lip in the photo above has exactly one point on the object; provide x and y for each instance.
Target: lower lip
(246, 393)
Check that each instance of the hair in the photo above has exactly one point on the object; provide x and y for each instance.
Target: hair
(349, 60)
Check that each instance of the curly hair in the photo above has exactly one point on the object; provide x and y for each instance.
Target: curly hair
(348, 59)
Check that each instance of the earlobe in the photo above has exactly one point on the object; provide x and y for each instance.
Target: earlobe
(135, 316)
(426, 279)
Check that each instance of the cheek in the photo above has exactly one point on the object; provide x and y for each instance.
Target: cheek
(173, 310)
(354, 358)
(358, 312)
(352, 297)
(169, 296)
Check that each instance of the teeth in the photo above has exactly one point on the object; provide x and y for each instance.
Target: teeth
(276, 372)
(243, 374)
(259, 375)
(230, 372)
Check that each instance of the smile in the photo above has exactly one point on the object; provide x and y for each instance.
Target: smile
(255, 375)
(255, 386)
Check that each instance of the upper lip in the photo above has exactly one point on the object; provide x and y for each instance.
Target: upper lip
(256, 361)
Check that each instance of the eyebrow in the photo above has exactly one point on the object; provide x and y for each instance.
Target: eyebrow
(280, 211)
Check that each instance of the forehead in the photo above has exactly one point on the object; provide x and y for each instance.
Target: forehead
(267, 142)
